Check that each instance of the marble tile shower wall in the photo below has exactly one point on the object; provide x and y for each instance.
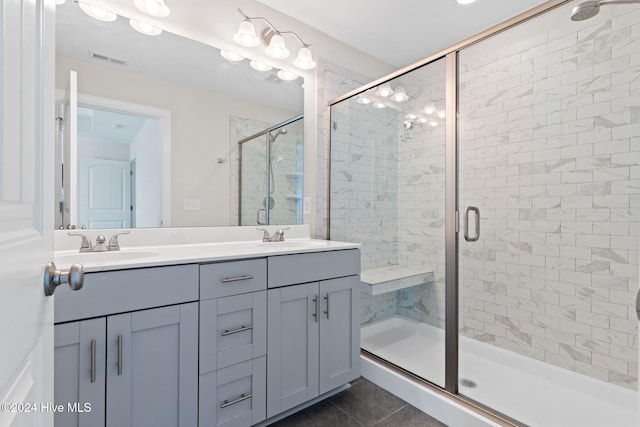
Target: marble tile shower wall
(421, 212)
(550, 151)
(253, 177)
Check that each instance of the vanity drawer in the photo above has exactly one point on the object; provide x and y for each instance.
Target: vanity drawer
(311, 267)
(120, 291)
(234, 396)
(232, 329)
(232, 278)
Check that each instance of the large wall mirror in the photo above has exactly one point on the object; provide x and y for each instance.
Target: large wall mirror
(157, 122)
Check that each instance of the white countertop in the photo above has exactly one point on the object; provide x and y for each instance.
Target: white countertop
(158, 255)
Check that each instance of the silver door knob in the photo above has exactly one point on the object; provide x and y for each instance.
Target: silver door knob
(54, 277)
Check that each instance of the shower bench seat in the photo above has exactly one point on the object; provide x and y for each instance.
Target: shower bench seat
(394, 277)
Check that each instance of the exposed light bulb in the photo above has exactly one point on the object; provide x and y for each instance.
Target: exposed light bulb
(260, 66)
(400, 95)
(286, 75)
(155, 8)
(98, 13)
(378, 104)
(422, 120)
(144, 28)
(411, 116)
(304, 60)
(277, 49)
(442, 114)
(385, 91)
(429, 109)
(246, 35)
(433, 124)
(231, 56)
(364, 100)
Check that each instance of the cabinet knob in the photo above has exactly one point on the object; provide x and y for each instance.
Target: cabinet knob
(54, 277)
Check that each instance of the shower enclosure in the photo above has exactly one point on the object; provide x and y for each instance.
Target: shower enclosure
(270, 175)
(496, 191)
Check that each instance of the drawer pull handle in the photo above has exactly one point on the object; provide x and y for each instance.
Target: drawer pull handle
(234, 401)
(92, 362)
(235, 331)
(237, 278)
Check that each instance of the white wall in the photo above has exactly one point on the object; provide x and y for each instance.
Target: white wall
(199, 133)
(145, 150)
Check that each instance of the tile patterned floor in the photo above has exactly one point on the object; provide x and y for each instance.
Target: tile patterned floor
(364, 404)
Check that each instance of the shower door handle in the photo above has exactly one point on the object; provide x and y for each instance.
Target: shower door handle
(475, 210)
(258, 217)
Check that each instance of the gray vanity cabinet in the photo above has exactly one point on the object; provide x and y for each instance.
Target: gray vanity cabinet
(233, 343)
(152, 357)
(79, 355)
(134, 362)
(312, 328)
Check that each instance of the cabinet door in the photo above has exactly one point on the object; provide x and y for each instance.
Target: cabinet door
(339, 332)
(292, 346)
(152, 367)
(79, 361)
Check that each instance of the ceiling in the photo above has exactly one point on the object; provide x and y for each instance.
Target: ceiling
(400, 32)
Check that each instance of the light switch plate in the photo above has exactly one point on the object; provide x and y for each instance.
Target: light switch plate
(191, 204)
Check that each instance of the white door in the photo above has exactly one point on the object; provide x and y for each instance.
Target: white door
(105, 193)
(70, 150)
(27, 132)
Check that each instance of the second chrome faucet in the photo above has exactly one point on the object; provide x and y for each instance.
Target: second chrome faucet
(100, 245)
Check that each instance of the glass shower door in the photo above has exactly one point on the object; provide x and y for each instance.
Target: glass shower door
(548, 193)
(388, 192)
(271, 175)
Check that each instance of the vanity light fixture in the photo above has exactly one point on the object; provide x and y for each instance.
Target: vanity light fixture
(260, 66)
(144, 28)
(286, 75)
(273, 40)
(246, 35)
(155, 8)
(277, 49)
(98, 13)
(231, 56)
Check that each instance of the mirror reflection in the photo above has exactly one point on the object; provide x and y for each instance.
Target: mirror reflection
(158, 122)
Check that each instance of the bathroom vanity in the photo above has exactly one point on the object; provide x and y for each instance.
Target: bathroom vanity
(209, 334)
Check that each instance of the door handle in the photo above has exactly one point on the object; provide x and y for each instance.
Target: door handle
(54, 278)
(316, 303)
(92, 362)
(467, 237)
(327, 312)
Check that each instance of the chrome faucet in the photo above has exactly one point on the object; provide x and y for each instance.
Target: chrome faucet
(113, 241)
(100, 245)
(278, 236)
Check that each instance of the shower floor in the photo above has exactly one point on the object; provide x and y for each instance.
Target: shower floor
(531, 391)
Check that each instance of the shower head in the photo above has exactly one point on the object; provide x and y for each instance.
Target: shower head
(589, 9)
(281, 131)
(585, 10)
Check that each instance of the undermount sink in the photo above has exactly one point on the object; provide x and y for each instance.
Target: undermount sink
(101, 257)
(294, 244)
